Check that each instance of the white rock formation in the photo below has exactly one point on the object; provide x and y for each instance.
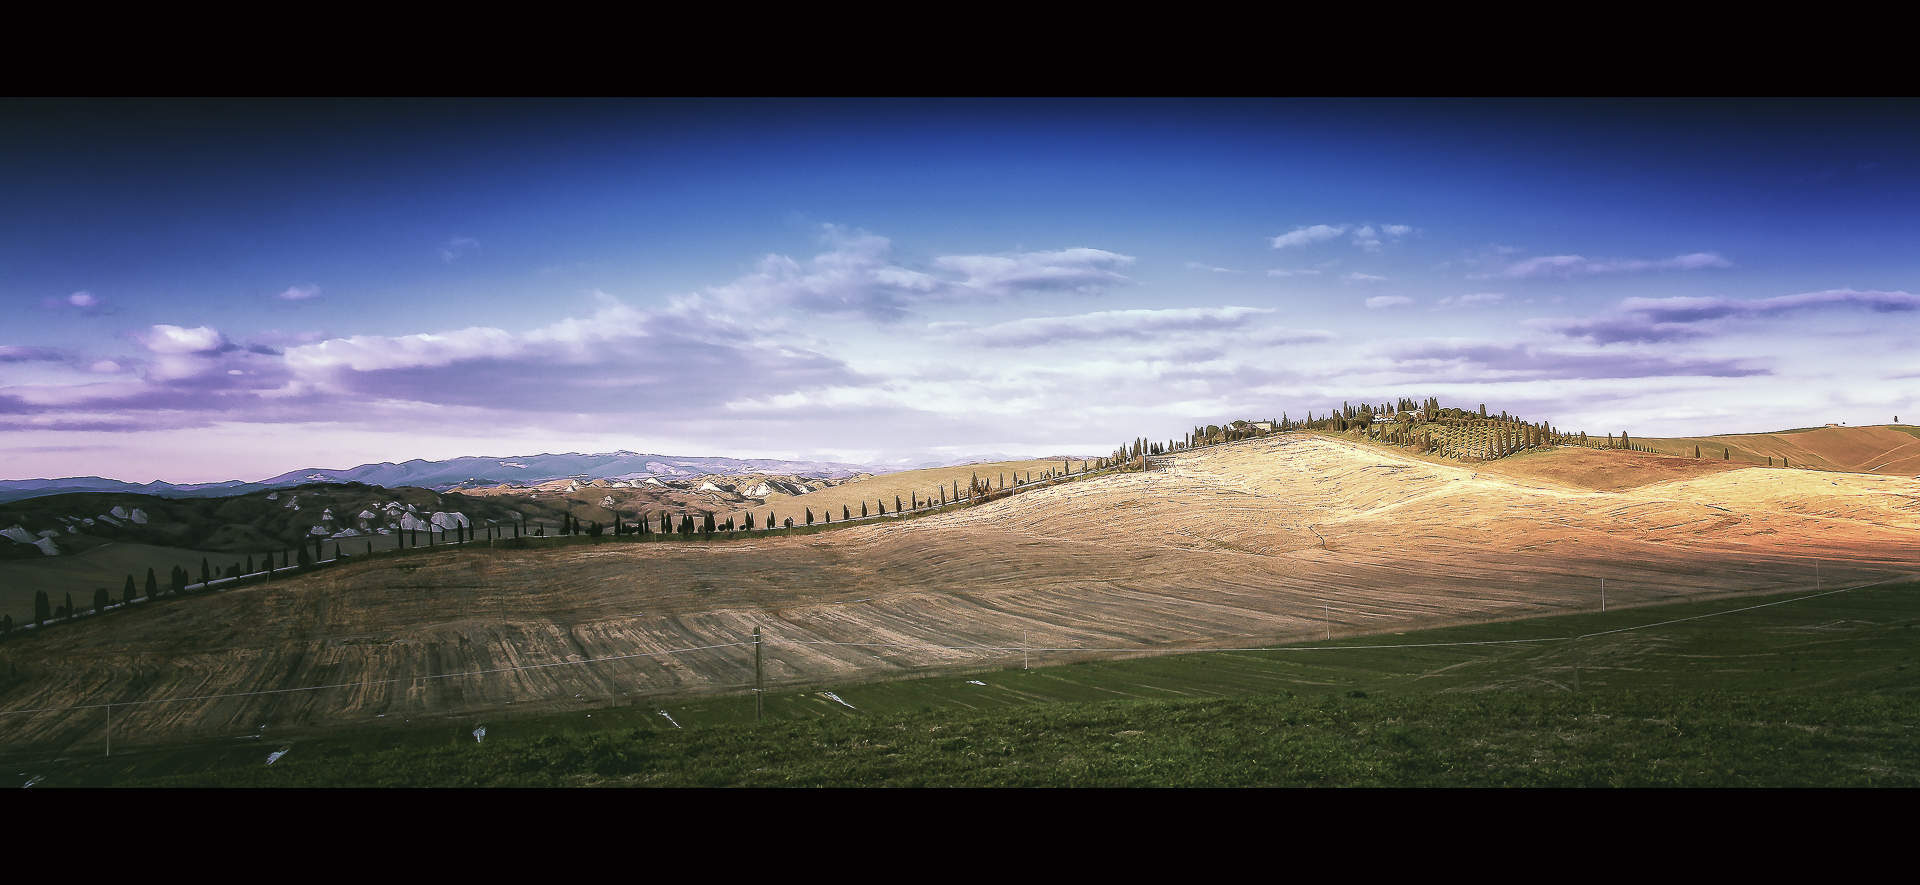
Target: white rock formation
(139, 516)
(119, 512)
(317, 530)
(653, 481)
(46, 546)
(346, 533)
(18, 535)
(449, 520)
(711, 486)
(368, 514)
(110, 520)
(414, 523)
(275, 496)
(607, 502)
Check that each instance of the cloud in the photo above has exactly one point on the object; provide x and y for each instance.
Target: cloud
(1278, 272)
(1477, 299)
(106, 367)
(1195, 265)
(1381, 301)
(16, 353)
(1483, 363)
(164, 339)
(1305, 236)
(299, 293)
(1076, 270)
(670, 363)
(1396, 230)
(860, 278)
(1653, 320)
(1575, 265)
(84, 302)
(1357, 277)
(457, 247)
(1135, 324)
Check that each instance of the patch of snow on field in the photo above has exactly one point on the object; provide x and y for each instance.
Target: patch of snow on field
(480, 734)
(275, 756)
(976, 682)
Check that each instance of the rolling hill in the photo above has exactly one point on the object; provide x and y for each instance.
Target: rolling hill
(1270, 540)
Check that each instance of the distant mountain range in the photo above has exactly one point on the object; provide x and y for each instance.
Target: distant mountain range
(441, 475)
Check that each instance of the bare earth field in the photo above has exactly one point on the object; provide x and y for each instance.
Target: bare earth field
(1269, 540)
(1891, 449)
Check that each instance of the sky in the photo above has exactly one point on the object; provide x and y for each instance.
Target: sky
(195, 291)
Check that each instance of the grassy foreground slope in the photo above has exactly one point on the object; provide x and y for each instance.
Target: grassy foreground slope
(1810, 691)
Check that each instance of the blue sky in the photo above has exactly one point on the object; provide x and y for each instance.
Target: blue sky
(212, 290)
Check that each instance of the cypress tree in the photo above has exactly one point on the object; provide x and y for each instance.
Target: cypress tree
(749, 520)
(369, 548)
(845, 513)
(1726, 454)
(809, 516)
(69, 606)
(42, 607)
(305, 563)
(206, 570)
(153, 586)
(126, 593)
(707, 524)
(896, 503)
(863, 509)
(248, 571)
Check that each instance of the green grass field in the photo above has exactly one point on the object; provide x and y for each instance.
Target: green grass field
(1814, 691)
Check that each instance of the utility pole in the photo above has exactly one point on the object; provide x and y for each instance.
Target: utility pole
(1326, 616)
(1603, 594)
(758, 694)
(1024, 645)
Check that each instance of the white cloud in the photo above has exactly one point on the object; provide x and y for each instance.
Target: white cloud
(106, 367)
(1396, 230)
(1195, 265)
(1138, 324)
(1388, 301)
(1477, 299)
(1308, 235)
(173, 339)
(458, 246)
(1357, 277)
(860, 278)
(82, 301)
(1279, 272)
(1576, 265)
(299, 293)
(1655, 320)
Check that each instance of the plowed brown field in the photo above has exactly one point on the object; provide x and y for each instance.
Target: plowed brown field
(1257, 542)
